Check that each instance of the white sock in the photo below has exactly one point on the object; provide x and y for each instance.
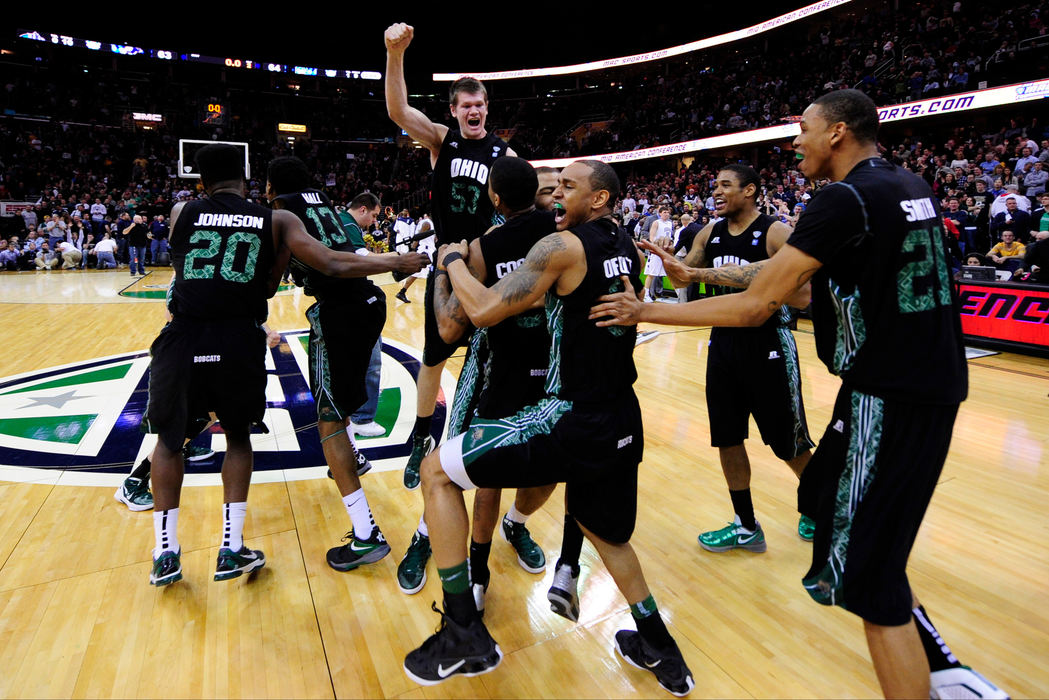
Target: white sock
(516, 515)
(422, 526)
(360, 514)
(233, 532)
(165, 523)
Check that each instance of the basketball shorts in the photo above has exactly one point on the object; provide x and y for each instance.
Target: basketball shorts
(593, 451)
(342, 336)
(755, 372)
(203, 366)
(435, 350)
(471, 382)
(654, 266)
(867, 487)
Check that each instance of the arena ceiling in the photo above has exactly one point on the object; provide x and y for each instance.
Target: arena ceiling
(448, 42)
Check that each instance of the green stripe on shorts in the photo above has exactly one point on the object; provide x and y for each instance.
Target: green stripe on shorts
(487, 434)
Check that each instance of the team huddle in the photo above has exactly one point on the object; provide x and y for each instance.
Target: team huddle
(535, 278)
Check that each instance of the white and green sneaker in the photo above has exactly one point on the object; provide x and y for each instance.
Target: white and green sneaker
(529, 554)
(735, 536)
(134, 493)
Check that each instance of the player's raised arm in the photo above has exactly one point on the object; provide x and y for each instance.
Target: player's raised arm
(519, 290)
(417, 124)
(289, 229)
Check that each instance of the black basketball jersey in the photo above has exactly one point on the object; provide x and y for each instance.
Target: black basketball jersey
(750, 246)
(885, 313)
(519, 347)
(461, 207)
(222, 251)
(318, 216)
(588, 364)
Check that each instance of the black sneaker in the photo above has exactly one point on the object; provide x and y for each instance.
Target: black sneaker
(363, 465)
(453, 650)
(421, 446)
(403, 297)
(563, 594)
(167, 568)
(233, 564)
(669, 667)
(193, 453)
(358, 552)
(411, 572)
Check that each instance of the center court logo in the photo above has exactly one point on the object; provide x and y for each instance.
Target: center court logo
(85, 417)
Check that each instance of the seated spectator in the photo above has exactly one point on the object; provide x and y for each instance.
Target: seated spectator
(9, 256)
(1040, 216)
(1035, 267)
(1008, 254)
(45, 257)
(1013, 218)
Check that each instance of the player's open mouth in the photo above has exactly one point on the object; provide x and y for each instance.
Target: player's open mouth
(474, 121)
(559, 213)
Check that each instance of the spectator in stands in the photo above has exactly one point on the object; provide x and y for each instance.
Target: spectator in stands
(98, 216)
(1035, 179)
(1013, 218)
(9, 255)
(1040, 216)
(45, 257)
(1008, 253)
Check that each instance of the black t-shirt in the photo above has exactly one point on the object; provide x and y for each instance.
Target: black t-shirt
(688, 236)
(461, 207)
(136, 237)
(315, 211)
(884, 309)
(222, 252)
(519, 347)
(591, 365)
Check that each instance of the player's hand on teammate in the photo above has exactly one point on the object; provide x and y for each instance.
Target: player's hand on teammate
(677, 271)
(272, 337)
(619, 309)
(398, 36)
(462, 248)
(411, 263)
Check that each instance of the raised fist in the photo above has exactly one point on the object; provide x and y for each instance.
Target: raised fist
(398, 36)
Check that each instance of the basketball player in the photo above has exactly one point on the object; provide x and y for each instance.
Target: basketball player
(886, 321)
(587, 432)
(461, 160)
(750, 371)
(504, 371)
(345, 323)
(228, 256)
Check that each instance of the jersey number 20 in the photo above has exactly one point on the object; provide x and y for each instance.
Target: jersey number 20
(234, 245)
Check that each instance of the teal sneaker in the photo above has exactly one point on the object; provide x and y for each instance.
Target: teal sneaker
(806, 528)
(358, 552)
(134, 493)
(411, 572)
(421, 446)
(735, 536)
(529, 555)
(233, 564)
(167, 568)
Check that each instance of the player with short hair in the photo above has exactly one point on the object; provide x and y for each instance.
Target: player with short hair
(886, 321)
(228, 256)
(461, 159)
(586, 432)
(345, 322)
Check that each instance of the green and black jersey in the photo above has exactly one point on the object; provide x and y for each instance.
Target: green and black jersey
(884, 309)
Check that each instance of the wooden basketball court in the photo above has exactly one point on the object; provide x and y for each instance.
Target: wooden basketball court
(78, 618)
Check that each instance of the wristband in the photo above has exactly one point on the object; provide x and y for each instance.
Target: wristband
(449, 259)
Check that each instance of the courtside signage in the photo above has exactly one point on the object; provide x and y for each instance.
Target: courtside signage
(1013, 313)
(753, 30)
(82, 421)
